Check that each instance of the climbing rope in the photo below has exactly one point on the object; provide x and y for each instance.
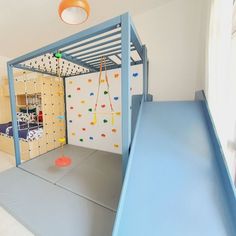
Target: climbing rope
(103, 63)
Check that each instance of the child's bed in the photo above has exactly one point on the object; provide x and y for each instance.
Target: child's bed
(27, 131)
(31, 136)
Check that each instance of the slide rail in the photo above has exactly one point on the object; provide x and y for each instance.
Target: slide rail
(126, 179)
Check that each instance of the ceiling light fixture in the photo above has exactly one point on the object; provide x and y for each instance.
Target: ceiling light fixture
(74, 11)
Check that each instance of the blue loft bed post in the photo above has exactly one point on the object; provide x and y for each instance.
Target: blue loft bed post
(13, 112)
(125, 85)
(145, 73)
(70, 48)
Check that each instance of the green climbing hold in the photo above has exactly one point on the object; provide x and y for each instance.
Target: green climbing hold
(69, 96)
(81, 140)
(105, 121)
(105, 92)
(90, 109)
(58, 55)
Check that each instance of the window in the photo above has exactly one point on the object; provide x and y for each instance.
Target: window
(221, 77)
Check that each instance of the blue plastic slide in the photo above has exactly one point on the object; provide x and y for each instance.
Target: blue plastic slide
(177, 183)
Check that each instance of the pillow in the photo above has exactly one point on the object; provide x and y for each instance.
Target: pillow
(24, 110)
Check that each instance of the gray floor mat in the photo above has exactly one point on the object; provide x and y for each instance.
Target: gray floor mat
(99, 178)
(44, 166)
(48, 210)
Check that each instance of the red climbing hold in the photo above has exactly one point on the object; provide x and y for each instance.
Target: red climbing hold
(63, 161)
(103, 135)
(84, 129)
(103, 106)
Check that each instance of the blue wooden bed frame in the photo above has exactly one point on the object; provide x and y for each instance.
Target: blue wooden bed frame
(129, 41)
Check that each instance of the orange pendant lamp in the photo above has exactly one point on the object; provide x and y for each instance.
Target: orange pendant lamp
(74, 11)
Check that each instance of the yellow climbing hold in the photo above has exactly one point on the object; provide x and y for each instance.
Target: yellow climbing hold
(62, 140)
(102, 81)
(82, 101)
(116, 145)
(73, 134)
(118, 113)
(70, 82)
(112, 119)
(94, 119)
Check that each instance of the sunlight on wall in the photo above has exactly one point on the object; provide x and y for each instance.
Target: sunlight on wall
(220, 82)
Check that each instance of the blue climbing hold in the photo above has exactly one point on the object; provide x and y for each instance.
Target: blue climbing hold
(135, 74)
(91, 138)
(61, 117)
(91, 94)
(116, 98)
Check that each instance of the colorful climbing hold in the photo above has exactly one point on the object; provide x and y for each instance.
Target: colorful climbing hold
(105, 92)
(105, 121)
(116, 98)
(58, 55)
(62, 140)
(135, 74)
(60, 117)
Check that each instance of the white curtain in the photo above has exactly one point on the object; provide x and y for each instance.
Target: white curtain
(221, 77)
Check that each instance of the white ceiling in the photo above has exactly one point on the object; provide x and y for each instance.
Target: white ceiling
(27, 25)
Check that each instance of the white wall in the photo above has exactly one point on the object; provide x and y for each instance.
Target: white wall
(175, 35)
